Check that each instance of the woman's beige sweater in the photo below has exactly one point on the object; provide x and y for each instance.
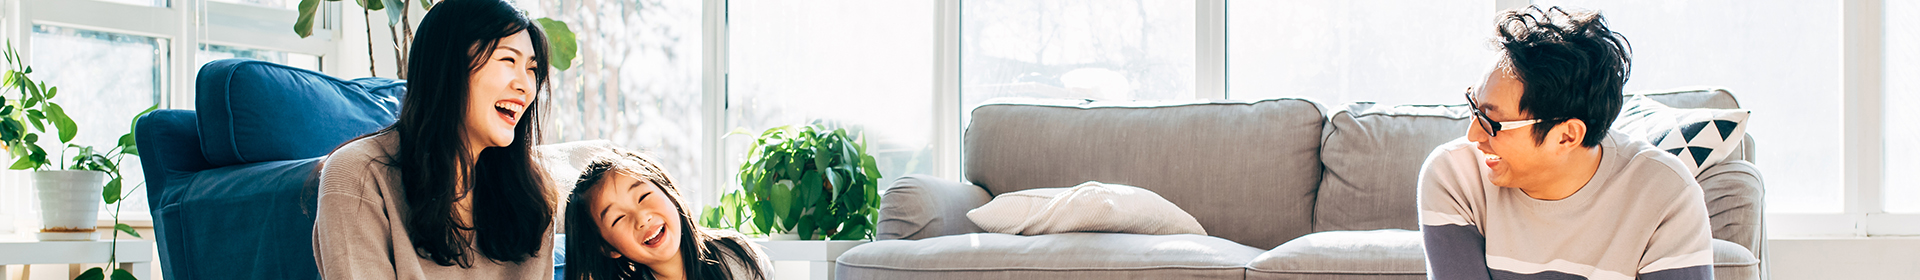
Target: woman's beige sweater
(360, 232)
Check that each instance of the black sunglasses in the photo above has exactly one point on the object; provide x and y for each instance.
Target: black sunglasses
(1494, 128)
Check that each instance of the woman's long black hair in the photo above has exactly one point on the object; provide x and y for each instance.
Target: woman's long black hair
(512, 208)
(587, 252)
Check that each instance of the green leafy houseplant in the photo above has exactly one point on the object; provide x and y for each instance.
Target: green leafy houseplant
(806, 180)
(34, 106)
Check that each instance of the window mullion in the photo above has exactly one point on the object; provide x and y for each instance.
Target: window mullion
(1210, 36)
(1862, 67)
(946, 89)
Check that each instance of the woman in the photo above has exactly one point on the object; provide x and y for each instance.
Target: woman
(626, 221)
(451, 190)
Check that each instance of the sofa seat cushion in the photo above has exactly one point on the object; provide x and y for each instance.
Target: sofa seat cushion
(1398, 254)
(1053, 256)
(1373, 254)
(1731, 261)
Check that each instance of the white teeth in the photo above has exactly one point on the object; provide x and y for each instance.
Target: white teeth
(510, 106)
(657, 232)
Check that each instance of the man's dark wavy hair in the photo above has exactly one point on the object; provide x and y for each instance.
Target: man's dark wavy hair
(1571, 65)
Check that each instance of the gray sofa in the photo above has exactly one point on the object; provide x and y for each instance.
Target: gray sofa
(1285, 190)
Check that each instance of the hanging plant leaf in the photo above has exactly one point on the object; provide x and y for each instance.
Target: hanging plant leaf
(91, 274)
(127, 229)
(303, 25)
(560, 41)
(122, 274)
(394, 15)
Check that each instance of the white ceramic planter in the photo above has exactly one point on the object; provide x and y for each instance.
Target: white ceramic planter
(784, 237)
(69, 203)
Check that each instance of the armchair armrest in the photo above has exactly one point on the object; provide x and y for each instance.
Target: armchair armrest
(921, 206)
(1735, 204)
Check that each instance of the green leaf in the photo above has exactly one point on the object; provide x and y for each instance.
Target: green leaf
(838, 185)
(710, 217)
(122, 274)
(393, 15)
(127, 229)
(805, 229)
(23, 163)
(782, 199)
(112, 191)
(426, 5)
(762, 215)
(561, 41)
(39, 122)
(805, 195)
(371, 5)
(872, 170)
(62, 122)
(11, 129)
(92, 274)
(303, 26)
(38, 90)
(135, 123)
(854, 229)
(127, 145)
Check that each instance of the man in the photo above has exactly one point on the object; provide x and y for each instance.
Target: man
(1540, 188)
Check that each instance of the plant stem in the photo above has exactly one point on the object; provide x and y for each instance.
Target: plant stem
(394, 34)
(365, 17)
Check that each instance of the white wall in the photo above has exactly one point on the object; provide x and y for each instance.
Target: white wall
(1856, 258)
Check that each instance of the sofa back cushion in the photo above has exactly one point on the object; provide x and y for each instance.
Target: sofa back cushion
(256, 111)
(1373, 156)
(1245, 170)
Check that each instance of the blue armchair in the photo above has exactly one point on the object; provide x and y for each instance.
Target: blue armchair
(231, 185)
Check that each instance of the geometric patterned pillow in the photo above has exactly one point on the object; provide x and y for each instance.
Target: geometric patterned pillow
(1699, 137)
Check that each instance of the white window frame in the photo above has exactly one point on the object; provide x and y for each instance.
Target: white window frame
(180, 24)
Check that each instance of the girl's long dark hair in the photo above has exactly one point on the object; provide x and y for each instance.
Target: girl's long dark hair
(587, 252)
(512, 208)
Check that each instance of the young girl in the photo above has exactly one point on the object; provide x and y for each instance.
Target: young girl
(625, 220)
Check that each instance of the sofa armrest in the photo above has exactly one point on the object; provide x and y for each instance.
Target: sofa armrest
(921, 206)
(1736, 203)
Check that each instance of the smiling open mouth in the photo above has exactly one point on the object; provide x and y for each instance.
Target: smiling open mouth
(509, 111)
(655, 239)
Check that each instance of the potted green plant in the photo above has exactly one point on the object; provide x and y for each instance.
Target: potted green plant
(810, 181)
(66, 188)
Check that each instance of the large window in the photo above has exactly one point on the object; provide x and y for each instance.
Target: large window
(1334, 52)
(1902, 94)
(863, 65)
(210, 53)
(1780, 58)
(636, 81)
(104, 79)
(1076, 49)
(119, 57)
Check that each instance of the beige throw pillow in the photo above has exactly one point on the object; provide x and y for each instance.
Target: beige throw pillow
(1088, 207)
